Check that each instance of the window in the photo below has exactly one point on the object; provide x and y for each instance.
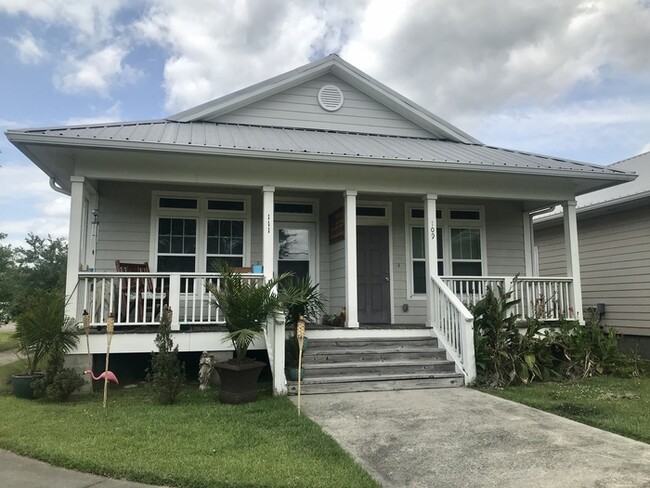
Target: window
(466, 252)
(371, 211)
(294, 208)
(225, 243)
(459, 240)
(193, 233)
(176, 244)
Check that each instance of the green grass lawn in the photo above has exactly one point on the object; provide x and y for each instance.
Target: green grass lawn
(620, 405)
(7, 342)
(196, 443)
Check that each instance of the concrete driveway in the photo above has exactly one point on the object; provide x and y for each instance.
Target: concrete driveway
(459, 437)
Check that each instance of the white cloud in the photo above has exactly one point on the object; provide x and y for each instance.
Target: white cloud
(28, 204)
(29, 48)
(220, 46)
(98, 71)
(89, 21)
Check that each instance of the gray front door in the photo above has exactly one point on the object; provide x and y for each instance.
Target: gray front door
(373, 275)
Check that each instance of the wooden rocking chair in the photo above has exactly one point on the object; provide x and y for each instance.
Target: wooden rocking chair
(139, 295)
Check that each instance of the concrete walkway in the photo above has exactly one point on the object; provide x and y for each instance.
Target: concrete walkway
(21, 472)
(459, 437)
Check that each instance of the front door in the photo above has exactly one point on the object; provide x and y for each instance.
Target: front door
(373, 274)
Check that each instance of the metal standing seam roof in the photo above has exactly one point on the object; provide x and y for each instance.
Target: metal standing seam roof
(308, 141)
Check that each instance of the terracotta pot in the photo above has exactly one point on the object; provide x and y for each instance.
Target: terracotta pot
(238, 381)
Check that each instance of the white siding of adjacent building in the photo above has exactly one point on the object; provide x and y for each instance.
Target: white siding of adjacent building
(298, 107)
(615, 264)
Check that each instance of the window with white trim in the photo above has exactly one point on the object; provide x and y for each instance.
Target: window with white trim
(196, 232)
(460, 234)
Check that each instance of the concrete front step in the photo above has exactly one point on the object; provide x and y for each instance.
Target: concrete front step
(355, 355)
(389, 382)
(394, 344)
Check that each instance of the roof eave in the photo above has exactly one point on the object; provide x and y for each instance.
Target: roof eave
(21, 139)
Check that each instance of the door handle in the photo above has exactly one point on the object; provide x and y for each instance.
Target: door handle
(387, 278)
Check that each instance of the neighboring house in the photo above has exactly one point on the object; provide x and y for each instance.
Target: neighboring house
(614, 237)
(322, 171)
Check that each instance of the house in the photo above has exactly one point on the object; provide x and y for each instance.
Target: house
(401, 217)
(614, 230)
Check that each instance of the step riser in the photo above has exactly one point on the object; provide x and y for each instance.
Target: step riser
(389, 344)
(376, 386)
(376, 370)
(343, 357)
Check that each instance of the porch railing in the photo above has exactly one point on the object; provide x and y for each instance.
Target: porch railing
(138, 298)
(452, 325)
(546, 299)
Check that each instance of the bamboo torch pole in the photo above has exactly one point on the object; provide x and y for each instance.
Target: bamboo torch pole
(301, 337)
(86, 323)
(110, 327)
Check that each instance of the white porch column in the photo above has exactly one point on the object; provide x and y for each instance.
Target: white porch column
(351, 299)
(274, 334)
(430, 251)
(573, 254)
(528, 243)
(74, 244)
(268, 193)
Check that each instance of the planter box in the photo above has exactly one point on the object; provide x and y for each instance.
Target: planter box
(22, 384)
(239, 381)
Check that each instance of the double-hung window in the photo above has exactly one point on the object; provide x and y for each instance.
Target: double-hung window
(460, 242)
(194, 233)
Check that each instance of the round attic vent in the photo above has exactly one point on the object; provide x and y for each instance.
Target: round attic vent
(330, 98)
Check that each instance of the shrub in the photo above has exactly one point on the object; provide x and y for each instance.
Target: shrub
(167, 372)
(59, 383)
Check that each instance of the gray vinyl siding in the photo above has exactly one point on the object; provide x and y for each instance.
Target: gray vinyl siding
(298, 107)
(124, 218)
(614, 263)
(504, 239)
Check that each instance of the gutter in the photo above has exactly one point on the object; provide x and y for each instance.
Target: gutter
(58, 188)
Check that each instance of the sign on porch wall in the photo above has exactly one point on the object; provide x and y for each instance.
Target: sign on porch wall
(337, 225)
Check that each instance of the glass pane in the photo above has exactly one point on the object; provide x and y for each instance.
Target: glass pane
(190, 227)
(175, 264)
(465, 214)
(296, 208)
(178, 203)
(300, 269)
(439, 242)
(224, 245)
(237, 245)
(419, 277)
(417, 241)
(189, 245)
(212, 263)
(441, 268)
(225, 205)
(224, 228)
(164, 244)
(465, 244)
(213, 245)
(371, 211)
(293, 244)
(177, 245)
(460, 268)
(213, 228)
(177, 227)
(164, 226)
(238, 228)
(417, 213)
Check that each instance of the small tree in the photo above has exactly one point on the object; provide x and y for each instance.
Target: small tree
(167, 372)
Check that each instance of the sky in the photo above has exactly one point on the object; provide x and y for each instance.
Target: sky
(567, 78)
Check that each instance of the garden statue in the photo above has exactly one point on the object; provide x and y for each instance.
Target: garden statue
(205, 370)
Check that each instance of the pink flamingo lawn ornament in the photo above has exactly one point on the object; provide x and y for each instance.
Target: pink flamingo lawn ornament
(106, 376)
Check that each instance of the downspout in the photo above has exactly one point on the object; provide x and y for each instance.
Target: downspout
(57, 188)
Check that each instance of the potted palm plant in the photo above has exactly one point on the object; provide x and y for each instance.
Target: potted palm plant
(246, 305)
(42, 331)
